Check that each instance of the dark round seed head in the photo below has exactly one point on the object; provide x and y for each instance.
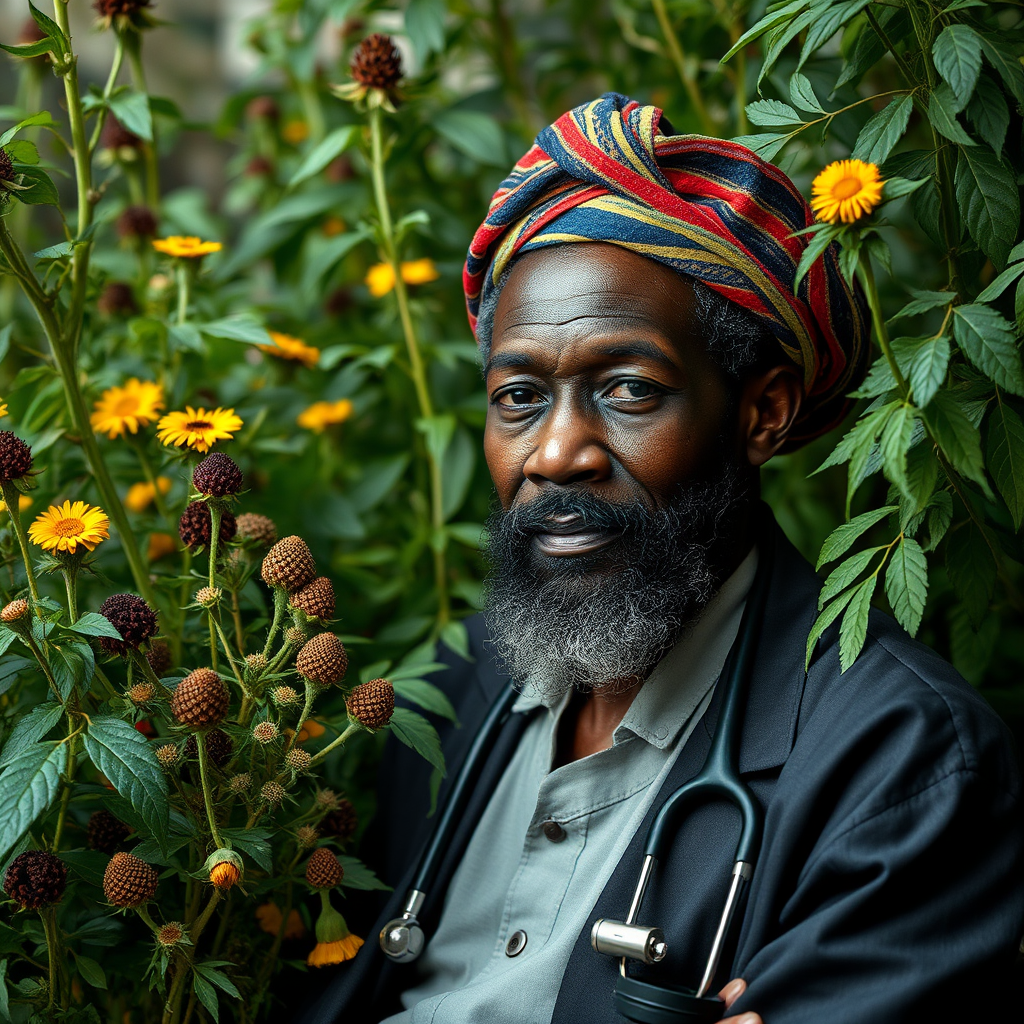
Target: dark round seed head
(323, 869)
(129, 881)
(195, 526)
(132, 617)
(36, 878)
(376, 62)
(15, 457)
(105, 832)
(217, 475)
(200, 700)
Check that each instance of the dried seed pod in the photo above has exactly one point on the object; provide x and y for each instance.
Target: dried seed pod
(298, 759)
(15, 458)
(323, 659)
(306, 836)
(240, 783)
(141, 694)
(200, 700)
(208, 597)
(217, 476)
(129, 881)
(372, 703)
(256, 530)
(137, 222)
(284, 696)
(342, 822)
(265, 732)
(377, 63)
(323, 869)
(105, 832)
(195, 527)
(168, 756)
(289, 564)
(159, 658)
(36, 878)
(219, 747)
(170, 934)
(15, 610)
(295, 636)
(255, 663)
(316, 599)
(132, 617)
(326, 799)
(272, 792)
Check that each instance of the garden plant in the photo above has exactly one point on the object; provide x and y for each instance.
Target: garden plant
(243, 498)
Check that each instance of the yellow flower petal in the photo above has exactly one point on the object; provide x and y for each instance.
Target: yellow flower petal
(136, 404)
(65, 527)
(185, 246)
(287, 347)
(846, 190)
(380, 279)
(197, 428)
(320, 415)
(419, 271)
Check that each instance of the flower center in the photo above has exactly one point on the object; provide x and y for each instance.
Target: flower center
(68, 527)
(846, 188)
(199, 425)
(126, 405)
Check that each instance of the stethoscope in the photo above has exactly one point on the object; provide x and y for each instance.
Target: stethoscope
(402, 938)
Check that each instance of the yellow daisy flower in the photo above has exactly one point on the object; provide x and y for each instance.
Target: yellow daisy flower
(380, 278)
(287, 347)
(136, 404)
(320, 415)
(141, 495)
(66, 527)
(24, 503)
(419, 271)
(3, 408)
(160, 545)
(185, 246)
(846, 191)
(198, 428)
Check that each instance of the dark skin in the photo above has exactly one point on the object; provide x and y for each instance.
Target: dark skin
(598, 379)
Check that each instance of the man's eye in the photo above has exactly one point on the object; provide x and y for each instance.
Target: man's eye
(633, 390)
(516, 397)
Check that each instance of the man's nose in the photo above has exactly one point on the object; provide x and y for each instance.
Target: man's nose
(571, 448)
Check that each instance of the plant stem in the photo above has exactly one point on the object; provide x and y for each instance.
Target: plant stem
(236, 615)
(70, 574)
(280, 604)
(151, 477)
(147, 670)
(416, 366)
(44, 665)
(867, 278)
(181, 274)
(675, 50)
(69, 775)
(204, 778)
(311, 692)
(11, 498)
(47, 916)
(115, 70)
(133, 45)
(352, 728)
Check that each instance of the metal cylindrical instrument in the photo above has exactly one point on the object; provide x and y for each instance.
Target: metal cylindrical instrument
(635, 941)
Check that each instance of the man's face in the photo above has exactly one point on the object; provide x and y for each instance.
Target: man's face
(611, 440)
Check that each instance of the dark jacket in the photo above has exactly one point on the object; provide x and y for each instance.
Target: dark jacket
(890, 886)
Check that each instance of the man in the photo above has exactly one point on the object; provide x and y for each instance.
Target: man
(644, 355)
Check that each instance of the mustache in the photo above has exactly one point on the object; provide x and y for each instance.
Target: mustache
(520, 522)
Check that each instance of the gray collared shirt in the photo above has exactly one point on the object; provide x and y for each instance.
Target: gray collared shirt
(548, 841)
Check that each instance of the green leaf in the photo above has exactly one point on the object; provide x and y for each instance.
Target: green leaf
(417, 733)
(883, 130)
(957, 436)
(437, 432)
(820, 241)
(957, 55)
(21, 151)
(37, 188)
(1004, 58)
(1005, 459)
(318, 158)
(942, 111)
(42, 120)
(132, 110)
(972, 570)
(987, 339)
(5, 999)
(989, 114)
(59, 251)
(775, 17)
(424, 22)
(801, 92)
(45, 45)
(359, 876)
(94, 624)
(906, 584)
(922, 302)
(928, 369)
(840, 539)
(426, 695)
(73, 665)
(894, 444)
(896, 188)
(987, 195)
(123, 754)
(772, 113)
(91, 971)
(254, 843)
(845, 573)
(207, 995)
(828, 21)
(766, 144)
(469, 534)
(1018, 305)
(828, 615)
(1001, 283)
(922, 475)
(455, 636)
(221, 980)
(853, 630)
(29, 729)
(477, 135)
(28, 786)
(244, 328)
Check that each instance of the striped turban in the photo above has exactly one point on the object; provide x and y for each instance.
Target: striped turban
(613, 171)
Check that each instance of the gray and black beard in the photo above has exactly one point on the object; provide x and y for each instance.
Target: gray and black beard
(603, 621)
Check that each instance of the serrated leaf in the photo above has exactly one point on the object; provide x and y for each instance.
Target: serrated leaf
(906, 584)
(928, 369)
(801, 93)
(853, 630)
(94, 624)
(1001, 283)
(942, 111)
(29, 729)
(318, 158)
(841, 538)
(1004, 59)
(132, 110)
(254, 843)
(845, 573)
(972, 570)
(426, 695)
(773, 18)
(987, 339)
(894, 444)
(957, 55)
(988, 198)
(827, 22)
(819, 242)
(895, 188)
(73, 664)
(957, 436)
(28, 785)
(417, 733)
(359, 876)
(989, 114)
(828, 615)
(883, 130)
(772, 114)
(922, 302)
(765, 144)
(126, 758)
(207, 995)
(1006, 458)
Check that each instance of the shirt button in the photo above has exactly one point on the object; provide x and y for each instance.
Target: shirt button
(516, 943)
(553, 831)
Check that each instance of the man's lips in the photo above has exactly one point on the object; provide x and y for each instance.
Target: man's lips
(570, 535)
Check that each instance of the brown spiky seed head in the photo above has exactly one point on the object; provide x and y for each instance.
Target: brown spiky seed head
(372, 704)
(15, 610)
(6, 166)
(326, 799)
(323, 869)
(200, 700)
(295, 636)
(272, 792)
(256, 663)
(342, 822)
(377, 63)
(105, 832)
(137, 222)
(298, 759)
(219, 747)
(265, 732)
(141, 694)
(16, 458)
(117, 299)
(36, 878)
(256, 529)
(217, 476)
(170, 934)
(132, 617)
(240, 783)
(113, 8)
(306, 836)
(129, 881)
(159, 657)
(316, 599)
(284, 696)
(289, 564)
(168, 756)
(208, 597)
(195, 527)
(323, 659)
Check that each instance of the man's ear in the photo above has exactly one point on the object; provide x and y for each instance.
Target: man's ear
(769, 405)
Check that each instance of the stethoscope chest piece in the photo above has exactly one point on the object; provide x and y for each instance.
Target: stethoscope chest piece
(645, 1003)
